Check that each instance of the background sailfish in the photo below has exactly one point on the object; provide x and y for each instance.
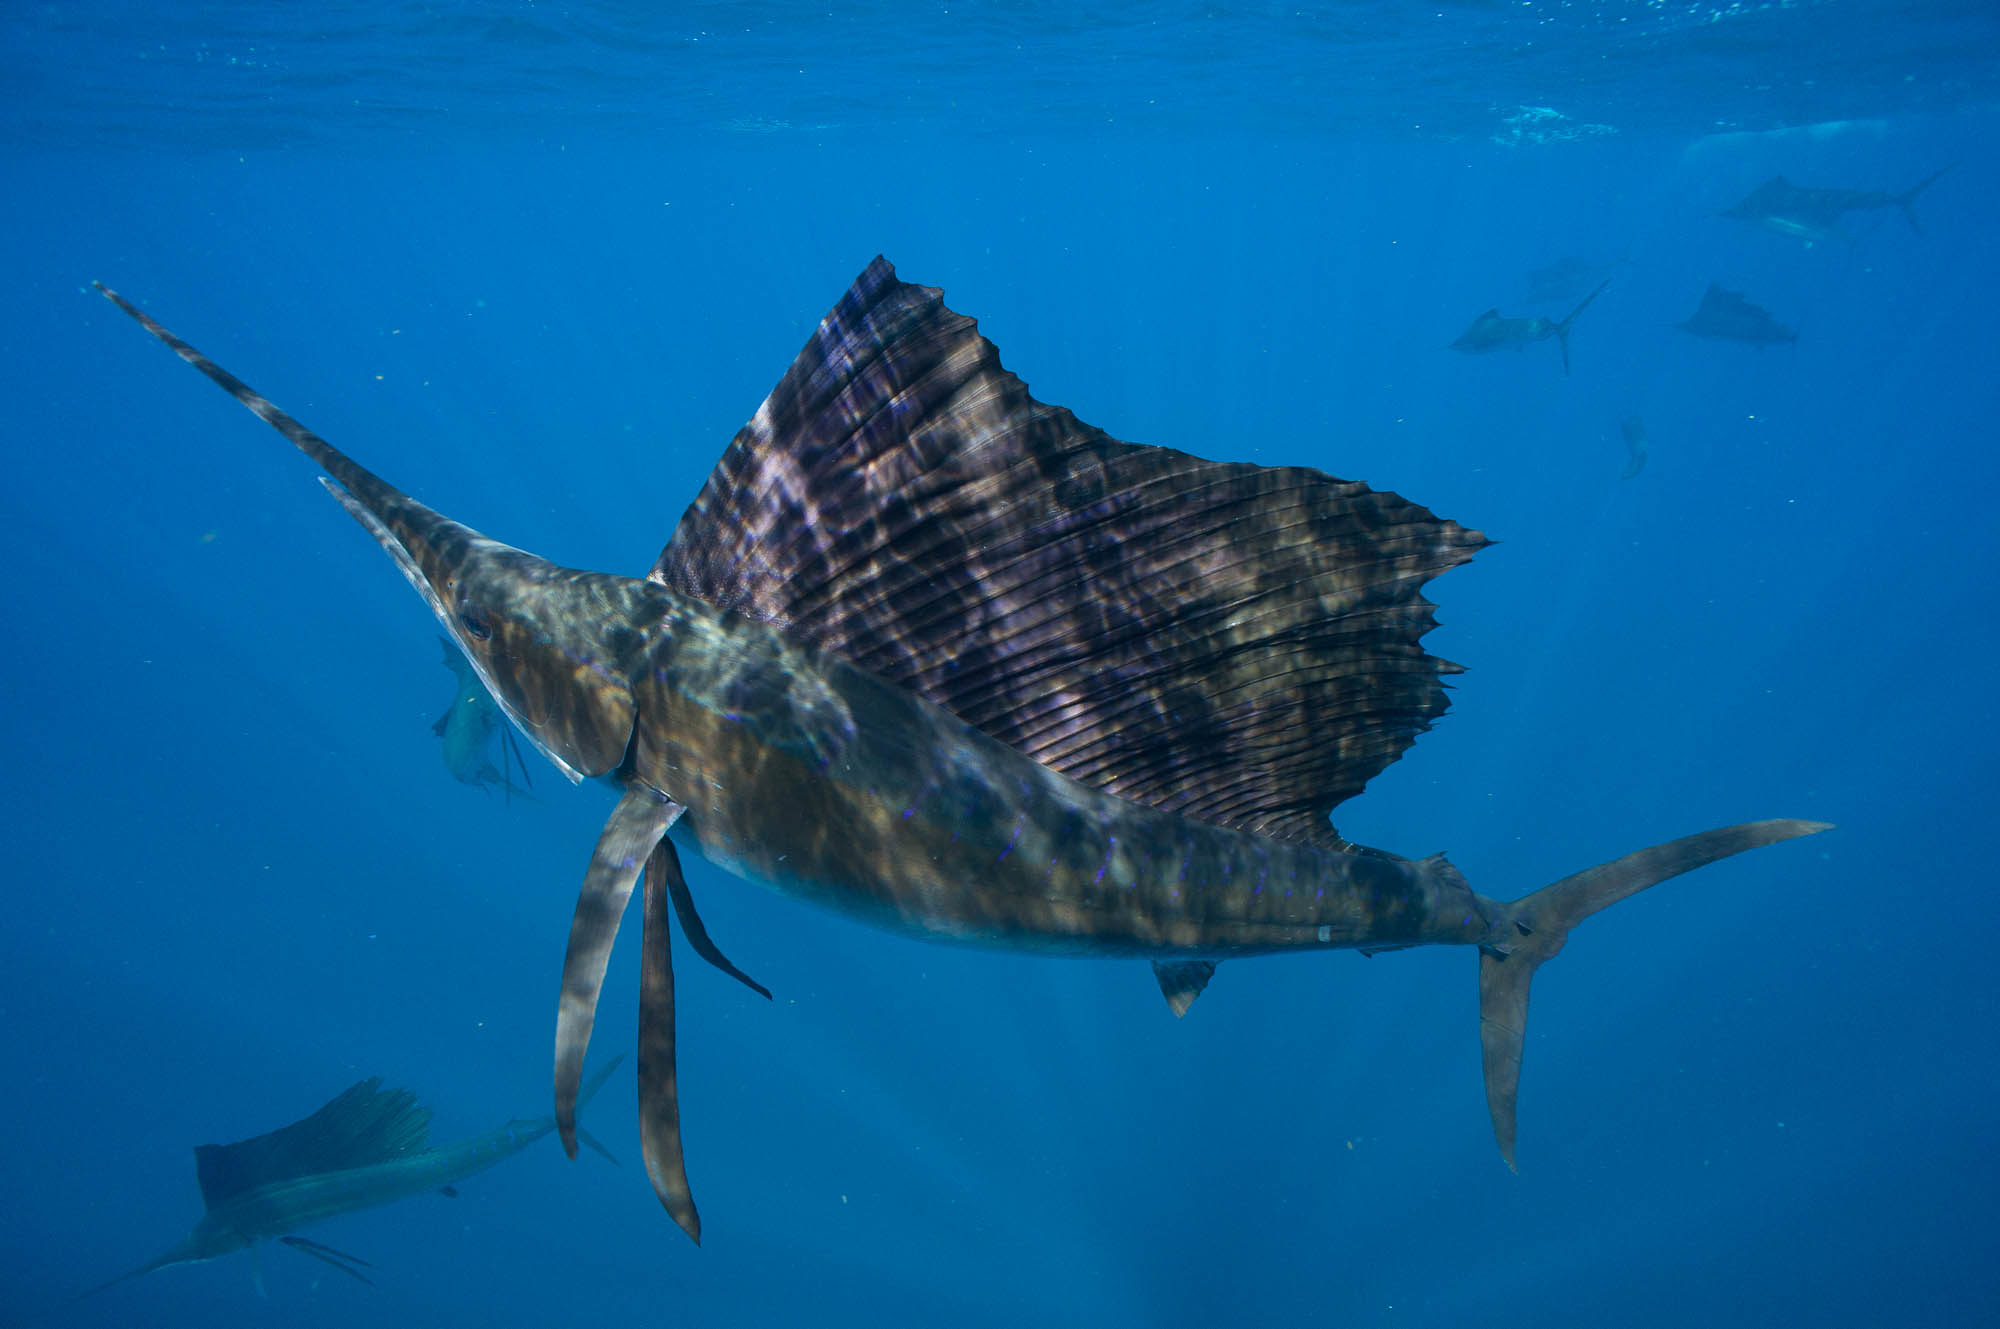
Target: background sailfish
(368, 1146)
(931, 652)
(1812, 214)
(1726, 315)
(1493, 332)
(467, 727)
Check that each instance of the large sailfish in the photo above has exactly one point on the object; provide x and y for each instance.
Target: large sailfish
(941, 656)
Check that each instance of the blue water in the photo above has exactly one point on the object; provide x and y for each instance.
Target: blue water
(537, 263)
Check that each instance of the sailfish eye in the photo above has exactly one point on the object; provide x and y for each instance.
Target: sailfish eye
(475, 623)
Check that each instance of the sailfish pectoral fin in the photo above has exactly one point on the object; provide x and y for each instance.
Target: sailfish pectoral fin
(636, 827)
(340, 1260)
(659, 1095)
(670, 865)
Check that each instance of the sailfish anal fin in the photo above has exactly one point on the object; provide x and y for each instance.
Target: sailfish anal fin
(636, 827)
(1235, 643)
(1181, 981)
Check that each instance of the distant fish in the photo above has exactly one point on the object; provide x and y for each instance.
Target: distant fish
(468, 725)
(1727, 316)
(368, 1146)
(1634, 430)
(1490, 332)
(1814, 214)
(1567, 278)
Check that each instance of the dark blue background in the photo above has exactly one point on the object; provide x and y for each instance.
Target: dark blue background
(240, 878)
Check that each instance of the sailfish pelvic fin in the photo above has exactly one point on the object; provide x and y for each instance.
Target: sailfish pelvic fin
(636, 827)
(659, 1095)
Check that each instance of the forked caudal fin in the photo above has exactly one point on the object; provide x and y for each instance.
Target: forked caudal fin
(1907, 200)
(1562, 328)
(1540, 923)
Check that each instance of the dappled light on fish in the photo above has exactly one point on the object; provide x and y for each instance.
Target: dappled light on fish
(944, 657)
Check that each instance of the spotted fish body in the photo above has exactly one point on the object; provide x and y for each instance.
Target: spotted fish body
(936, 654)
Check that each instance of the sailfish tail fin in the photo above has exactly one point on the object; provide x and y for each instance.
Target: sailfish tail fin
(583, 1097)
(1538, 925)
(1907, 200)
(1562, 328)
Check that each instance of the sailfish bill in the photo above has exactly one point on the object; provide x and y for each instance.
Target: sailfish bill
(943, 657)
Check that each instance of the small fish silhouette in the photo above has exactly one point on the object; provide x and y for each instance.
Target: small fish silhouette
(1491, 332)
(1634, 431)
(1809, 214)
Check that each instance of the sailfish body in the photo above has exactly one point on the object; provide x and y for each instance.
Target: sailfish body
(934, 653)
(367, 1147)
(1804, 212)
(1492, 331)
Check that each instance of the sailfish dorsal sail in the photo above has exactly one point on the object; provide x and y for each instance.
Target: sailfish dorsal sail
(364, 1125)
(1236, 643)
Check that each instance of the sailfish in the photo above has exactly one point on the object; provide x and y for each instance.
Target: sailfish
(367, 1146)
(466, 729)
(945, 658)
(1492, 332)
(1812, 214)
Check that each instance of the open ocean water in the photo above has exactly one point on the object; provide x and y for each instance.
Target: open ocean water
(537, 262)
